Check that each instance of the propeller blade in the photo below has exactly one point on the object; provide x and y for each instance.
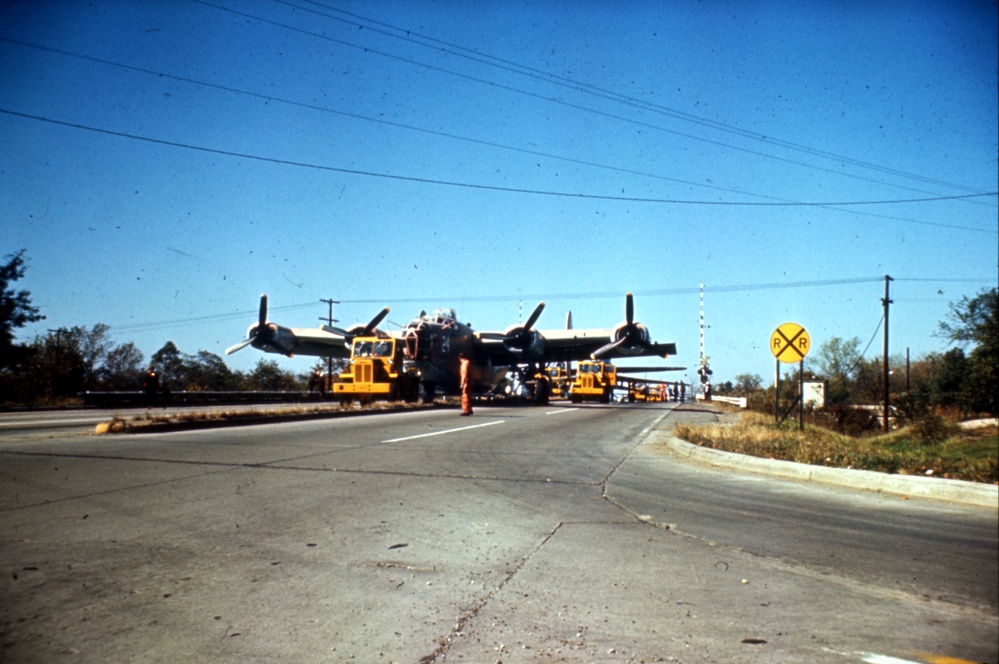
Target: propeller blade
(629, 309)
(533, 318)
(568, 321)
(263, 310)
(370, 327)
(607, 348)
(240, 346)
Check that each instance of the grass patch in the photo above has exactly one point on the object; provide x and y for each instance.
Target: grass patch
(936, 448)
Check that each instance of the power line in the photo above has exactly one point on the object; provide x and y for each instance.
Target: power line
(554, 100)
(437, 45)
(484, 187)
(515, 297)
(269, 98)
(389, 123)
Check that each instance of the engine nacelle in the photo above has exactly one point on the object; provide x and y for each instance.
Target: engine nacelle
(636, 337)
(529, 342)
(272, 338)
(361, 330)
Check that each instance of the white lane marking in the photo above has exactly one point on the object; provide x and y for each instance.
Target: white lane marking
(560, 411)
(441, 433)
(874, 658)
(51, 423)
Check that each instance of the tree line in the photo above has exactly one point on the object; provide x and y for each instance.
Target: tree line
(69, 361)
(961, 381)
(57, 367)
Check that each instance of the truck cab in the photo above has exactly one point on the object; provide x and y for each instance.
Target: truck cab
(375, 372)
(594, 381)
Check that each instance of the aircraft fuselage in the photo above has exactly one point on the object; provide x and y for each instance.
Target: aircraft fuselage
(433, 343)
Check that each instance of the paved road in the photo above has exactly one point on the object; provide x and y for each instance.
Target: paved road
(518, 535)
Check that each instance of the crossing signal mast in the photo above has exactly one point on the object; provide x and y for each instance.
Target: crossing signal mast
(704, 370)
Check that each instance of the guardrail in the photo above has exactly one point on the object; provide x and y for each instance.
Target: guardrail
(738, 401)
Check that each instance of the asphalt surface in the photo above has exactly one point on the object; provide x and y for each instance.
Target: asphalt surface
(518, 535)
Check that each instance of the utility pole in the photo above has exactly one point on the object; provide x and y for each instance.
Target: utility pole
(329, 358)
(886, 302)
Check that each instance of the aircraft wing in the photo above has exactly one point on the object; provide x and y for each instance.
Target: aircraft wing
(325, 341)
(568, 345)
(292, 341)
(523, 343)
(574, 345)
(316, 341)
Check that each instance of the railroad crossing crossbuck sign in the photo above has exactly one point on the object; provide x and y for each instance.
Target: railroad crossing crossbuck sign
(790, 343)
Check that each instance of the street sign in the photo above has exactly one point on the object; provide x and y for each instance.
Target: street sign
(790, 343)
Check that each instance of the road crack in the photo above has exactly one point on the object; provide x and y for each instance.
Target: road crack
(445, 642)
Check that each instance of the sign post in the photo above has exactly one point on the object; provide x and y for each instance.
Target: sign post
(790, 343)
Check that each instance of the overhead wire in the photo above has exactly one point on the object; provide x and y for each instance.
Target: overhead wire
(248, 314)
(495, 85)
(777, 202)
(470, 185)
(438, 45)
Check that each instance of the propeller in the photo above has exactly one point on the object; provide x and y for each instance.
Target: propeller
(366, 331)
(520, 337)
(255, 331)
(628, 334)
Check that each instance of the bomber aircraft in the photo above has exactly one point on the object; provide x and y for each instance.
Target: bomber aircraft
(433, 343)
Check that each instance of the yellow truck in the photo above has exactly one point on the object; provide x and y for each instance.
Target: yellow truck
(644, 392)
(594, 381)
(375, 372)
(558, 378)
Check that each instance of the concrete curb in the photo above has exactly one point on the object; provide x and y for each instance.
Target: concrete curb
(959, 491)
(137, 426)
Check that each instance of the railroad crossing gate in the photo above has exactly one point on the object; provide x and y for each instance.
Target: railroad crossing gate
(790, 343)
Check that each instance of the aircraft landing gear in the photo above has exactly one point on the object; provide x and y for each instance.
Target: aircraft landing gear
(429, 391)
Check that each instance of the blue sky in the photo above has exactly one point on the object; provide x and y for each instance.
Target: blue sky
(165, 163)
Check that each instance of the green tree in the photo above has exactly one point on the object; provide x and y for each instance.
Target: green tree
(16, 309)
(169, 363)
(122, 368)
(268, 376)
(93, 346)
(837, 361)
(974, 322)
(745, 383)
(207, 371)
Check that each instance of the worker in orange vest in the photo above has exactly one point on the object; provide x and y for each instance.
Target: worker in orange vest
(466, 384)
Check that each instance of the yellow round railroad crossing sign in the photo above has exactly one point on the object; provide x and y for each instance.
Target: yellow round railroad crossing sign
(790, 343)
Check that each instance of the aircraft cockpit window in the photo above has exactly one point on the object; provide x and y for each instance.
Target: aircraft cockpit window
(445, 313)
